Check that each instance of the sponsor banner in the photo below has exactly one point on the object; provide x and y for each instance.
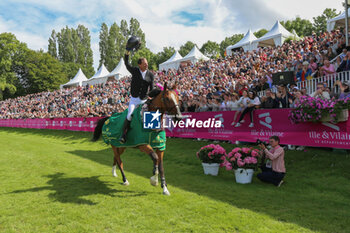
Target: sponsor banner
(267, 122)
(74, 124)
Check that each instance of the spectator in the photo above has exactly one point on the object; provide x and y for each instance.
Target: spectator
(273, 172)
(269, 100)
(327, 69)
(254, 102)
(321, 92)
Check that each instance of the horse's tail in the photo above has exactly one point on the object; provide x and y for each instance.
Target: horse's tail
(98, 129)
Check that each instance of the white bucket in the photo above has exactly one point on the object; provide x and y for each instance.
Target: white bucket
(244, 176)
(211, 168)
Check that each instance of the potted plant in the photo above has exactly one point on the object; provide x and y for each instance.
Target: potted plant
(243, 161)
(211, 156)
(311, 109)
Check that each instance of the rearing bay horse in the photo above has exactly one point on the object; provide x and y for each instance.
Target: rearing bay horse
(165, 101)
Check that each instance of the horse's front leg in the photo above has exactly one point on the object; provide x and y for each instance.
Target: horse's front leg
(117, 153)
(148, 150)
(161, 171)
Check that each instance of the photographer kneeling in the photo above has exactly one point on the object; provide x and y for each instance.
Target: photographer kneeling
(273, 173)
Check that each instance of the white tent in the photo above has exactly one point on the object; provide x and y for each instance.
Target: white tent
(171, 63)
(99, 77)
(338, 21)
(119, 71)
(275, 37)
(296, 37)
(78, 80)
(247, 43)
(194, 56)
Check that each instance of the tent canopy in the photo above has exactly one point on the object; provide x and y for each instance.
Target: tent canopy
(275, 37)
(99, 77)
(78, 80)
(172, 62)
(120, 70)
(247, 42)
(194, 56)
(338, 21)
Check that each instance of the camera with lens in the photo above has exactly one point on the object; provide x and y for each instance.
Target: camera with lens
(258, 142)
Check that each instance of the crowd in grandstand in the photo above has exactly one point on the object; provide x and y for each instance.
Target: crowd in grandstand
(230, 83)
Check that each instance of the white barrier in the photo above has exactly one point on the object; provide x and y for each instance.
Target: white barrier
(311, 85)
(330, 80)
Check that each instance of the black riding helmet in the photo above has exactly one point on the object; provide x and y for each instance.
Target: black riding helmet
(133, 43)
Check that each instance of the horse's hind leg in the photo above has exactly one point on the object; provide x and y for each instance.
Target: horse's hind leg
(117, 153)
(148, 150)
(161, 171)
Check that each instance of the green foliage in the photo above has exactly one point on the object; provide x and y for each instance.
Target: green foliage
(146, 53)
(320, 22)
(113, 41)
(42, 72)
(186, 48)
(210, 49)
(12, 53)
(73, 45)
(164, 55)
(260, 33)
(229, 41)
(303, 27)
(52, 47)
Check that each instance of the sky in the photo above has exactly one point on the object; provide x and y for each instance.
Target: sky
(165, 22)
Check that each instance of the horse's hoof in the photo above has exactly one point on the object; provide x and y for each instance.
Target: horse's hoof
(114, 173)
(154, 181)
(166, 192)
(126, 183)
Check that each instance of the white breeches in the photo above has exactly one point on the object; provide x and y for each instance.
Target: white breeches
(134, 103)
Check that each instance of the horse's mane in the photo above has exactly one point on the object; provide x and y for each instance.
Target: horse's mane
(154, 93)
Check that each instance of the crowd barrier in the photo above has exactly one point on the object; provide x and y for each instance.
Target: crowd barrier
(267, 123)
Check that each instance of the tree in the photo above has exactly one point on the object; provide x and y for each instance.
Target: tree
(320, 22)
(229, 41)
(135, 30)
(103, 44)
(210, 49)
(74, 45)
(164, 55)
(186, 48)
(12, 53)
(52, 48)
(115, 47)
(302, 27)
(42, 72)
(260, 33)
(146, 53)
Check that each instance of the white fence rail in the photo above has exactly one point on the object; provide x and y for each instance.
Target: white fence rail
(311, 85)
(329, 80)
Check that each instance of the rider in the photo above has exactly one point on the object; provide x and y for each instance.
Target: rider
(141, 83)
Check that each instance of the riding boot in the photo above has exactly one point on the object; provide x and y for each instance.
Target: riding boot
(125, 130)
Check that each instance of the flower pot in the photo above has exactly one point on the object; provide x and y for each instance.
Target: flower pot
(344, 115)
(244, 176)
(211, 168)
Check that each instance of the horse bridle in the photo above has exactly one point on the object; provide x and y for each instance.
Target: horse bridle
(165, 101)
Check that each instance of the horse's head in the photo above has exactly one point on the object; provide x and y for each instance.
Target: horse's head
(169, 102)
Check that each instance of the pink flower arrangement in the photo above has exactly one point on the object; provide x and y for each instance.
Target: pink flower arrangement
(314, 109)
(212, 154)
(241, 158)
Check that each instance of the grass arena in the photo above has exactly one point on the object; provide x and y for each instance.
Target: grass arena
(59, 181)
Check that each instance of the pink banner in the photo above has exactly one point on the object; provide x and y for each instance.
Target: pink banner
(267, 123)
(74, 124)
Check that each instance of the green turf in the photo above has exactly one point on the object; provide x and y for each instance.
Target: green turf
(58, 181)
